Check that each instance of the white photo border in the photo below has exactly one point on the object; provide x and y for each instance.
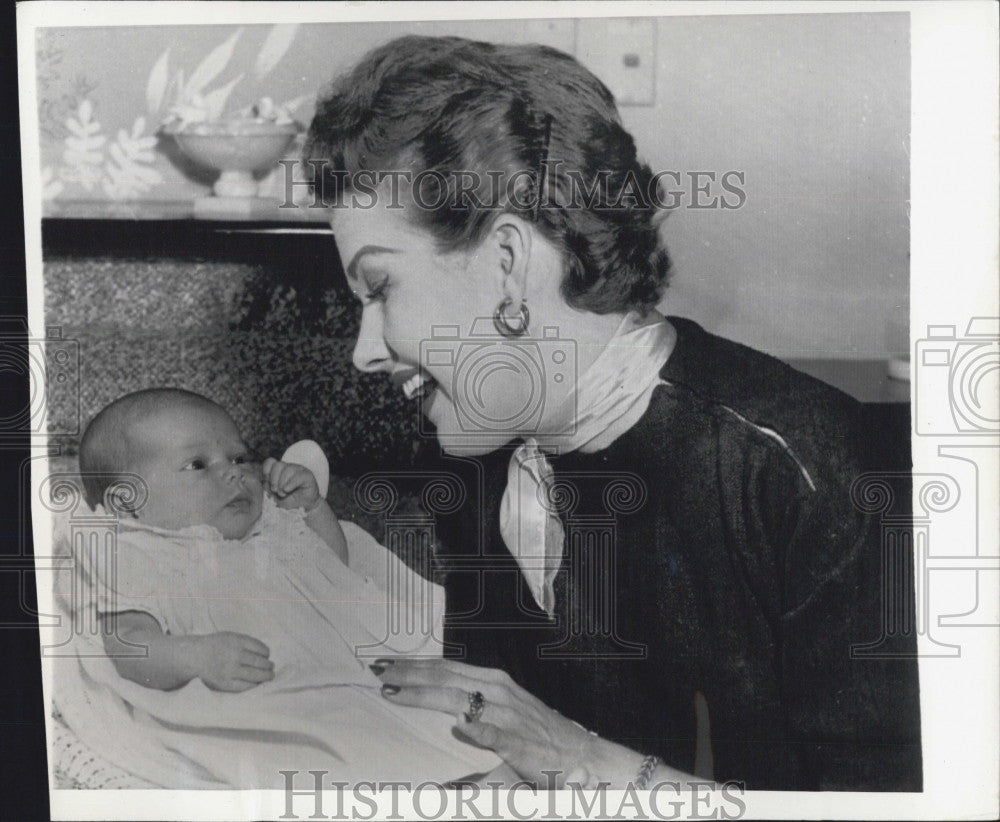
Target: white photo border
(954, 230)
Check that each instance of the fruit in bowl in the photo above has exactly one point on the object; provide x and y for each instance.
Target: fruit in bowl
(235, 146)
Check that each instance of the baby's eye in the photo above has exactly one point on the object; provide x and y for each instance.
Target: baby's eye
(240, 459)
(195, 465)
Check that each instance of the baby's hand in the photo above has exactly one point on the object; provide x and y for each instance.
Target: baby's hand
(234, 662)
(293, 486)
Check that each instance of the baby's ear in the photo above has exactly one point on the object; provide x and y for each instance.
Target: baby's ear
(115, 502)
(123, 499)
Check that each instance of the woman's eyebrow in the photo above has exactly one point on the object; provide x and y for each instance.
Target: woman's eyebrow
(364, 250)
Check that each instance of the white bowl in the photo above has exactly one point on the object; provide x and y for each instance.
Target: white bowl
(236, 149)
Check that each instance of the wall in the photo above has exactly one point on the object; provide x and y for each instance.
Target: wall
(812, 109)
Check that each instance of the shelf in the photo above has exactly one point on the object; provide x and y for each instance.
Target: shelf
(289, 250)
(865, 380)
(210, 209)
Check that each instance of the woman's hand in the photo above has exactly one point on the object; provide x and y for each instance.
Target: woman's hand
(531, 737)
(293, 486)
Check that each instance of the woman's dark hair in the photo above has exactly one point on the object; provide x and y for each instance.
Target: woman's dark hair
(470, 114)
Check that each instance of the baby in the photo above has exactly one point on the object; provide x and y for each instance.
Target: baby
(197, 471)
(232, 576)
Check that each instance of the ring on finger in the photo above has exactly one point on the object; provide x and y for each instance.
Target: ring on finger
(477, 702)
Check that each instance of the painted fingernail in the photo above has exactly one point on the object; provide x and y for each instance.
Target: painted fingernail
(377, 669)
(384, 662)
(390, 690)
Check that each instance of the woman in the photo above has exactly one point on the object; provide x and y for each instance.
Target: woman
(659, 569)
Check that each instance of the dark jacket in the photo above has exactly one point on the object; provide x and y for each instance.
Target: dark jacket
(712, 548)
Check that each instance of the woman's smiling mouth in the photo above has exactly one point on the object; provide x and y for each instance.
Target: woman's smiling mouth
(418, 387)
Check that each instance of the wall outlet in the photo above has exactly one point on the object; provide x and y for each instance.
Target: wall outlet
(622, 52)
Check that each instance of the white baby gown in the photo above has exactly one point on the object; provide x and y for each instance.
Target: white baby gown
(323, 622)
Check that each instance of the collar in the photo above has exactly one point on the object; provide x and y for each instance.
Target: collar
(610, 397)
(191, 533)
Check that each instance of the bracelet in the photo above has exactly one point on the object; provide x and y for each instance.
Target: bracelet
(649, 764)
(582, 775)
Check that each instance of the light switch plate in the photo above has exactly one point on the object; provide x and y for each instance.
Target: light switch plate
(622, 52)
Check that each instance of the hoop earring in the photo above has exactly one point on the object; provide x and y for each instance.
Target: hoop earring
(502, 323)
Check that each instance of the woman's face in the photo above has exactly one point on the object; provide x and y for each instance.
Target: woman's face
(425, 319)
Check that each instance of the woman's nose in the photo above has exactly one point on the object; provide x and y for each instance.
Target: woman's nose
(370, 350)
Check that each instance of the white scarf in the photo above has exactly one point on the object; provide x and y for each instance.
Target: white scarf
(610, 398)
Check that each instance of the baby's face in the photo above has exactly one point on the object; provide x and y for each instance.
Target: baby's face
(197, 469)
